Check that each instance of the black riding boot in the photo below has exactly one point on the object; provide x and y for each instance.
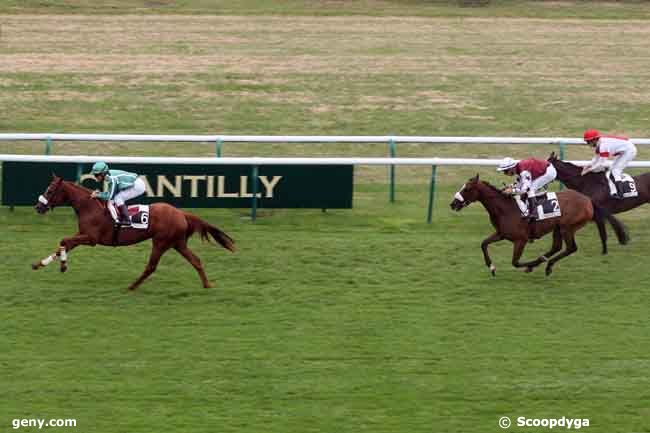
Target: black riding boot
(619, 187)
(125, 219)
(532, 208)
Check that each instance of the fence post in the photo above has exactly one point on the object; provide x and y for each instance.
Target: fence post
(218, 147)
(562, 145)
(254, 174)
(48, 146)
(79, 170)
(392, 147)
(432, 194)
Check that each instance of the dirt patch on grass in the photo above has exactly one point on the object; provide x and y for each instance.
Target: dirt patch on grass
(448, 68)
(307, 45)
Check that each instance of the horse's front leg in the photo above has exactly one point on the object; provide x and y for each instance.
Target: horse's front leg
(68, 244)
(46, 261)
(517, 251)
(557, 246)
(494, 237)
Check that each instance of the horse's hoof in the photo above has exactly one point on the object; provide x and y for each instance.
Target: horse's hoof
(528, 269)
(35, 266)
(64, 268)
(493, 270)
(549, 271)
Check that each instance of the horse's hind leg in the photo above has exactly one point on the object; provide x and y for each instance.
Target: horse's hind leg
(157, 250)
(184, 251)
(571, 247)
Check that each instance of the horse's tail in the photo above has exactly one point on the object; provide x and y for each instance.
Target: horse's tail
(196, 224)
(602, 214)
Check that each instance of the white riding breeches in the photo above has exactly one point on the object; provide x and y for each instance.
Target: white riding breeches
(137, 189)
(544, 179)
(621, 162)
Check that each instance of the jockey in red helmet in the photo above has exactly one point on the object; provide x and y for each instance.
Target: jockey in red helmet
(605, 146)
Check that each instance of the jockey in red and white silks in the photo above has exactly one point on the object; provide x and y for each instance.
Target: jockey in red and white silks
(605, 146)
(532, 175)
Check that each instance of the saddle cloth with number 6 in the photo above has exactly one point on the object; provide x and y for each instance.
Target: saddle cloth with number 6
(139, 214)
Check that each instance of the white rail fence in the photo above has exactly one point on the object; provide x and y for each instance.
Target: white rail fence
(261, 161)
(219, 140)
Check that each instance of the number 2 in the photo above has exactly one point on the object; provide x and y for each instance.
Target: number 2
(556, 206)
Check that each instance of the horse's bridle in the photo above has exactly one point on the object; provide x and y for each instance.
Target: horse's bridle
(44, 200)
(458, 196)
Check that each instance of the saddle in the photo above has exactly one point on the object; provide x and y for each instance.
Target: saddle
(139, 214)
(626, 185)
(548, 206)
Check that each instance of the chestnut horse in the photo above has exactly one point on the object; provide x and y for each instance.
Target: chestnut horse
(595, 185)
(169, 227)
(577, 210)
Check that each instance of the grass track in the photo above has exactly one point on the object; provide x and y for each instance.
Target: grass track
(401, 329)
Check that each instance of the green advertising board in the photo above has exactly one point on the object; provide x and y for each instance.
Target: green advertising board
(198, 185)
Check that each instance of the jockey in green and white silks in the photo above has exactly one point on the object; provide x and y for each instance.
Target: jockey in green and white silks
(122, 186)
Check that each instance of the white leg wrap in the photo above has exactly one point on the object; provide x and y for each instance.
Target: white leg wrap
(63, 254)
(47, 260)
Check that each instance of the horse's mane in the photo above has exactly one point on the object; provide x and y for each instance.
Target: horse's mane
(568, 165)
(83, 190)
(494, 189)
(597, 178)
(78, 186)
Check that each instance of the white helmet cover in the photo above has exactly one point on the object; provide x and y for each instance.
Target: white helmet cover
(507, 164)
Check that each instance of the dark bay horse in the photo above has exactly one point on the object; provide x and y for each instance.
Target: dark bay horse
(577, 210)
(595, 186)
(169, 227)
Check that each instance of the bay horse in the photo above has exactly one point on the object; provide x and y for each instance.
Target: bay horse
(577, 210)
(596, 186)
(169, 227)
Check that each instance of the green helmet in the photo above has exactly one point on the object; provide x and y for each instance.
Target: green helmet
(99, 167)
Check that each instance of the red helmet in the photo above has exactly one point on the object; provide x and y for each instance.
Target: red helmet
(591, 134)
